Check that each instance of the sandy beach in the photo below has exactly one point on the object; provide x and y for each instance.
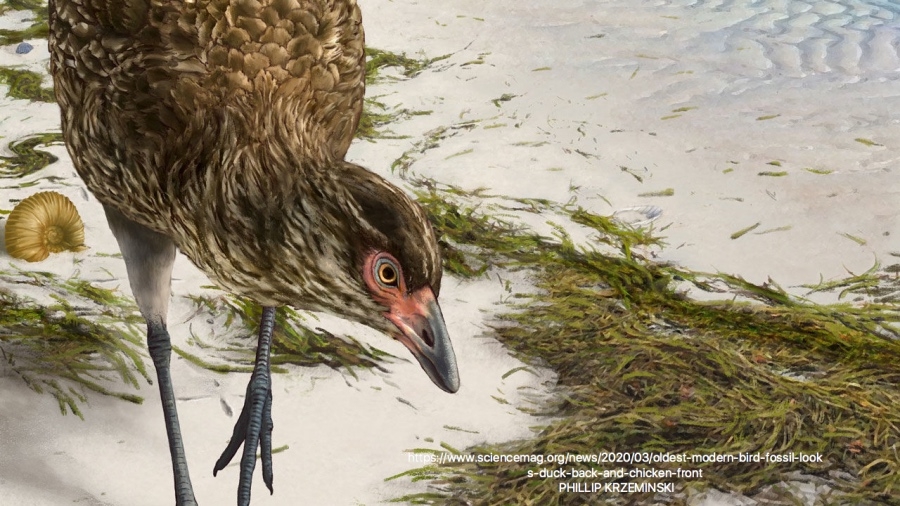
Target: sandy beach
(719, 116)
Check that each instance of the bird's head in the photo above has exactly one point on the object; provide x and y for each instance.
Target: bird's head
(415, 316)
(399, 264)
(379, 263)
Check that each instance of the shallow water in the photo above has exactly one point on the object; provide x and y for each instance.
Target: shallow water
(786, 86)
(771, 112)
(795, 38)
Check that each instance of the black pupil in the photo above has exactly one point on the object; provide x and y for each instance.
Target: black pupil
(387, 274)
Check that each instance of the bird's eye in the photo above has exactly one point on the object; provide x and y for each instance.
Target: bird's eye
(387, 273)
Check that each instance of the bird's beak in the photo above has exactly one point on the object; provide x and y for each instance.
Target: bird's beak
(418, 317)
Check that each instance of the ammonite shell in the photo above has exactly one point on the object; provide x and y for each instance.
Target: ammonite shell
(44, 223)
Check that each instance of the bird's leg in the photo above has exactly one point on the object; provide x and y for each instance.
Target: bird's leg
(254, 426)
(149, 257)
(161, 351)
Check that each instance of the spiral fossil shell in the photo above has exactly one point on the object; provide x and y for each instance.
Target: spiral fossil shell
(44, 223)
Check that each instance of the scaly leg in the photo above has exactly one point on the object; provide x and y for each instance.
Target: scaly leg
(254, 426)
(148, 258)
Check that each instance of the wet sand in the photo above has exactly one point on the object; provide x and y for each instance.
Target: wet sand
(777, 113)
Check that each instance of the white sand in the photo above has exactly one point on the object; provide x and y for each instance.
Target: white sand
(592, 82)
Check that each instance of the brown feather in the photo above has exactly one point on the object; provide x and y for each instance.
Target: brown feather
(224, 125)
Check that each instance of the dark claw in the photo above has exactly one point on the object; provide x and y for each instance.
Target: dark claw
(237, 436)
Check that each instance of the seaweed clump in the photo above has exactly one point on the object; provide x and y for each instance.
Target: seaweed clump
(293, 341)
(87, 339)
(645, 370)
(39, 29)
(26, 85)
(27, 159)
(376, 115)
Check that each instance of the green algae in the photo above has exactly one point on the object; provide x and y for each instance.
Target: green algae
(27, 159)
(743, 231)
(506, 97)
(294, 340)
(668, 192)
(376, 115)
(643, 368)
(25, 85)
(85, 340)
(377, 59)
(39, 29)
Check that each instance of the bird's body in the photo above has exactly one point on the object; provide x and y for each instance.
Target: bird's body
(220, 127)
(172, 132)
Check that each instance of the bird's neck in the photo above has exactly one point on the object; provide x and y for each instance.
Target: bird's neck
(252, 201)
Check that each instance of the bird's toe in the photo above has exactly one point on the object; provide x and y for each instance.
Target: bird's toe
(252, 430)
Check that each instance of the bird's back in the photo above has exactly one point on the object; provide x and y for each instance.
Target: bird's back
(146, 85)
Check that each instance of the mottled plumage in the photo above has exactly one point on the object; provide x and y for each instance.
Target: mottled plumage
(224, 125)
(220, 127)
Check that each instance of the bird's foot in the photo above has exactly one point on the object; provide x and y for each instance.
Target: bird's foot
(254, 430)
(254, 427)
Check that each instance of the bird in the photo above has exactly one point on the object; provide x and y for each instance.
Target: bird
(220, 128)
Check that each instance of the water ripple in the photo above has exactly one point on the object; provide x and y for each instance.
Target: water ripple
(799, 38)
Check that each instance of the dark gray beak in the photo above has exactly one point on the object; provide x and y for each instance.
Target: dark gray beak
(422, 329)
